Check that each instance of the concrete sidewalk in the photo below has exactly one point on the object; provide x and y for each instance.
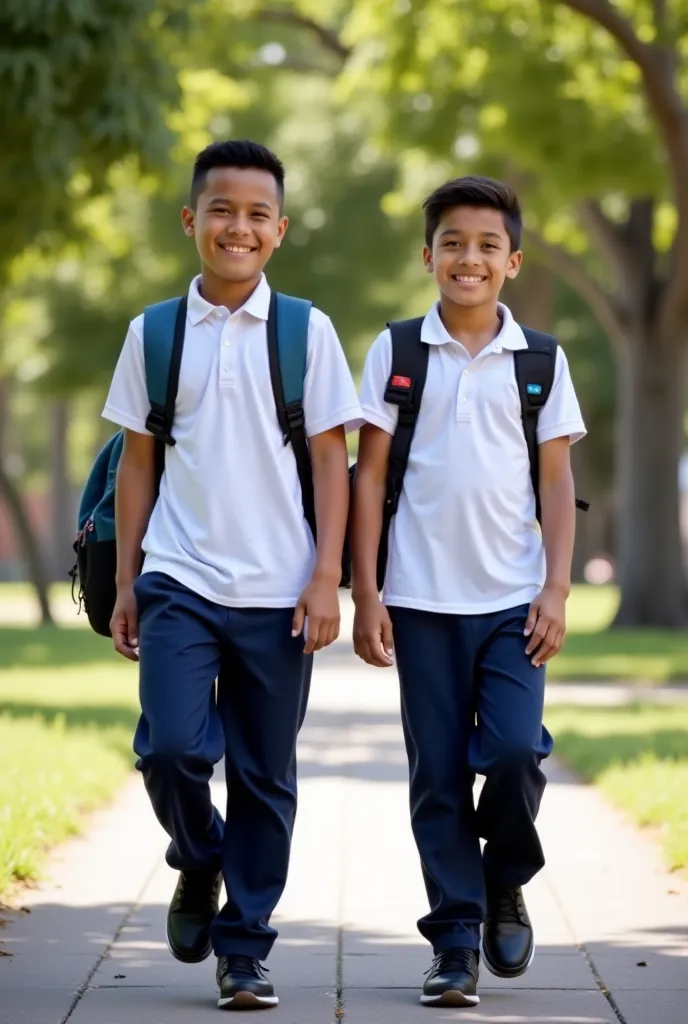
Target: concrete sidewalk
(611, 925)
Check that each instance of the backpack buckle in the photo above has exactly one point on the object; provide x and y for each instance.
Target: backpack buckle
(399, 391)
(296, 419)
(155, 423)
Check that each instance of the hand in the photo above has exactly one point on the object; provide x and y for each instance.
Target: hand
(320, 604)
(546, 625)
(373, 632)
(124, 623)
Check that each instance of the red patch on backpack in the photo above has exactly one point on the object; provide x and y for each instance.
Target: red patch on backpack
(401, 382)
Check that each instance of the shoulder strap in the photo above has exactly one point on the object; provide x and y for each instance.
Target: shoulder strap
(287, 329)
(534, 376)
(404, 389)
(164, 326)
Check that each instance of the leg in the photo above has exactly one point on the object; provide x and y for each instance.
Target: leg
(179, 737)
(435, 660)
(262, 696)
(507, 748)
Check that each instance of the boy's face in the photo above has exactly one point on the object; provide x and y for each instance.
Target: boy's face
(237, 223)
(471, 255)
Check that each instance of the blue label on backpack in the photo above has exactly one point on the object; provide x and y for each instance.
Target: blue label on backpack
(534, 389)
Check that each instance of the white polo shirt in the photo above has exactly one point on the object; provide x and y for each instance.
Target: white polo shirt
(229, 522)
(465, 539)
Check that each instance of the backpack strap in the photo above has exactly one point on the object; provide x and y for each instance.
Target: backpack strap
(287, 330)
(534, 377)
(164, 326)
(405, 390)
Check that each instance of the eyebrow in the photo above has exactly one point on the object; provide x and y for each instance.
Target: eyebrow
(230, 202)
(485, 234)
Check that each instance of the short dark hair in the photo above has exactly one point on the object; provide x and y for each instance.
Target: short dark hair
(474, 191)
(235, 153)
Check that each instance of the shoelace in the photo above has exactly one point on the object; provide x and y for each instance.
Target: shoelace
(245, 966)
(452, 960)
(509, 907)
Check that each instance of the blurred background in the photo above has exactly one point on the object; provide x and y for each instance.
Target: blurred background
(582, 105)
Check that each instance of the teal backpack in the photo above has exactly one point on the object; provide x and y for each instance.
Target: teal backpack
(163, 342)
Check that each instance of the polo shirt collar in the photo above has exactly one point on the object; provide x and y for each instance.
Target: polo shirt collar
(511, 337)
(257, 304)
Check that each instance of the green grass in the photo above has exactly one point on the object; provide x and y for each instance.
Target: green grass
(68, 708)
(638, 755)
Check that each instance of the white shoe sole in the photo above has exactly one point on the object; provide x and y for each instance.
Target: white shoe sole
(247, 1001)
(505, 974)
(451, 998)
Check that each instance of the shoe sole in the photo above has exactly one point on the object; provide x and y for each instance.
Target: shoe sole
(188, 958)
(451, 998)
(500, 972)
(247, 1001)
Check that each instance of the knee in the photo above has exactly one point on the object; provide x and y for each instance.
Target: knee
(512, 761)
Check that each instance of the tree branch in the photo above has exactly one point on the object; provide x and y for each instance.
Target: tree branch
(327, 37)
(607, 237)
(657, 64)
(571, 270)
(659, 13)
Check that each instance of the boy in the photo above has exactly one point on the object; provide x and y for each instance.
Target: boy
(231, 580)
(474, 602)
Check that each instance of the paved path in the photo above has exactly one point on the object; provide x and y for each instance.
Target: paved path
(611, 925)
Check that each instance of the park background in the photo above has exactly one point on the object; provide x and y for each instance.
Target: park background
(581, 104)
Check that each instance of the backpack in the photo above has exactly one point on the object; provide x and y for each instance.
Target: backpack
(164, 326)
(534, 368)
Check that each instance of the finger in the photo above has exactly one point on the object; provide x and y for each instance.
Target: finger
(556, 646)
(546, 648)
(538, 635)
(388, 640)
(132, 629)
(377, 656)
(331, 634)
(531, 619)
(313, 637)
(298, 620)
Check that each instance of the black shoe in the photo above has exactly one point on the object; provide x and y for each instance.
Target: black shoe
(508, 947)
(452, 979)
(193, 909)
(243, 985)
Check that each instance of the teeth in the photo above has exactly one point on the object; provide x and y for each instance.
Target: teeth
(464, 279)
(236, 248)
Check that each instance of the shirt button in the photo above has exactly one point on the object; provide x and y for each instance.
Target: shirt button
(226, 343)
(463, 399)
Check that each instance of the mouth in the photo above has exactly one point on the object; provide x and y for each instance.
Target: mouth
(468, 279)
(232, 249)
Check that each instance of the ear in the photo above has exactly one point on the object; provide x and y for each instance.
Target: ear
(189, 221)
(427, 260)
(514, 265)
(282, 226)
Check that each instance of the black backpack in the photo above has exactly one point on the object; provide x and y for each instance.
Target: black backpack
(534, 368)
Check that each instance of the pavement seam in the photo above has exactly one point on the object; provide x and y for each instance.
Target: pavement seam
(580, 946)
(339, 994)
(135, 905)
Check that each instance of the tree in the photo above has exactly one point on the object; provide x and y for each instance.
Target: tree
(82, 83)
(584, 100)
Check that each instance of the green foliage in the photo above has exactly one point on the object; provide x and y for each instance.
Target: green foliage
(81, 84)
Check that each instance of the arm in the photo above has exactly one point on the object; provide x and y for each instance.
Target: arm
(372, 625)
(547, 619)
(319, 600)
(134, 501)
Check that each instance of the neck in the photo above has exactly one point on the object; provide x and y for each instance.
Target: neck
(474, 326)
(232, 294)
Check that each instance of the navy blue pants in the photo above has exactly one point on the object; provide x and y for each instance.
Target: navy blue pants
(471, 704)
(252, 718)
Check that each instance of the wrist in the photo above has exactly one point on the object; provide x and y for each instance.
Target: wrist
(124, 582)
(327, 574)
(560, 587)
(359, 593)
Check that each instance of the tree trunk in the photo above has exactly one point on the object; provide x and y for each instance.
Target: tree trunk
(650, 440)
(22, 527)
(62, 499)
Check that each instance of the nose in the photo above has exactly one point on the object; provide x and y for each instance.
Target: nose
(239, 226)
(471, 255)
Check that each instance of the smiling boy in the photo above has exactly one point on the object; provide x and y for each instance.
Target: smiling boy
(475, 593)
(231, 572)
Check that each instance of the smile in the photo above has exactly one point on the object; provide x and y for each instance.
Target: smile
(468, 278)
(237, 250)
